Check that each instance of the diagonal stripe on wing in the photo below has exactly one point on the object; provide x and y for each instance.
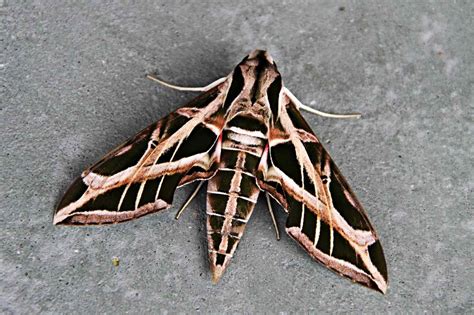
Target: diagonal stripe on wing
(141, 175)
(324, 216)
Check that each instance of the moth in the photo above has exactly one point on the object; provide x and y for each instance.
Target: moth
(243, 135)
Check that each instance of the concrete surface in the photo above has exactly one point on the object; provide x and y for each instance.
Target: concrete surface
(73, 87)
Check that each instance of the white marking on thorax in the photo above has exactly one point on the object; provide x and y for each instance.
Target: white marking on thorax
(256, 134)
(243, 138)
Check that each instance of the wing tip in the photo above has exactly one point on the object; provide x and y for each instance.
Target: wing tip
(380, 286)
(59, 217)
(376, 280)
(57, 220)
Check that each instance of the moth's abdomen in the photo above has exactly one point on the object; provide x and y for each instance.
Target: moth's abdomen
(231, 197)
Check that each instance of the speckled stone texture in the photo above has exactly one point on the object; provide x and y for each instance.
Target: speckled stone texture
(73, 87)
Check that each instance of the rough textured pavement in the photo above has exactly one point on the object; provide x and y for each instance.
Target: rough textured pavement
(73, 87)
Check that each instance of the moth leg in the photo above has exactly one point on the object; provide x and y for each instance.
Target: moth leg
(272, 214)
(185, 88)
(300, 105)
(190, 198)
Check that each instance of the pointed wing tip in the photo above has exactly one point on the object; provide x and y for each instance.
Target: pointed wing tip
(58, 219)
(379, 283)
(382, 288)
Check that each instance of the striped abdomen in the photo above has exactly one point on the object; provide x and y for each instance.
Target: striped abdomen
(231, 195)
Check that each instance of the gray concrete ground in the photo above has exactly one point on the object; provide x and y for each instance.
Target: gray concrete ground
(73, 87)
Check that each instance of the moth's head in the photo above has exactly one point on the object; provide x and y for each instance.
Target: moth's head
(259, 59)
(261, 56)
(255, 87)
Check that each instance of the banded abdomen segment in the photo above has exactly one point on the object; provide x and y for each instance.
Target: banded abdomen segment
(231, 197)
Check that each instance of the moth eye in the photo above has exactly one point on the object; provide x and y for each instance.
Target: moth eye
(324, 179)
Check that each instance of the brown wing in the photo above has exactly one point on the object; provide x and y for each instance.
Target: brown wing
(141, 175)
(324, 216)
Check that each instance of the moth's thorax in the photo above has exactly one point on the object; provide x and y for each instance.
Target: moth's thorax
(259, 73)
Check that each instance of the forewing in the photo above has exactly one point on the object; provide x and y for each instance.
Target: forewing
(324, 215)
(141, 175)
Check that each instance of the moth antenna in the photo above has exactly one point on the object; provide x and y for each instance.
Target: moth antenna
(186, 88)
(270, 209)
(300, 105)
(190, 198)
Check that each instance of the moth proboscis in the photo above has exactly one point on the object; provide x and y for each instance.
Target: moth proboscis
(243, 134)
